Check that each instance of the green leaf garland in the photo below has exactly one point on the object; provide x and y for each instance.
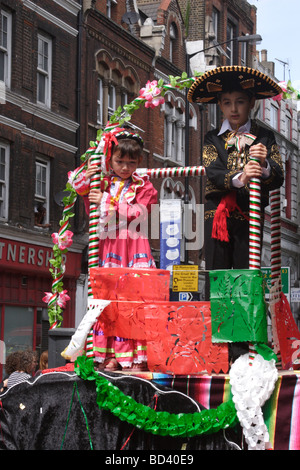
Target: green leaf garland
(162, 423)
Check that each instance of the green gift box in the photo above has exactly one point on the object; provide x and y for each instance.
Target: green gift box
(238, 308)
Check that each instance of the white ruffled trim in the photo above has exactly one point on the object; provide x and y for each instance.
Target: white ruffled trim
(252, 385)
(77, 342)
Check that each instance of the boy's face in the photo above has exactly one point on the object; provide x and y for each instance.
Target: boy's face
(236, 107)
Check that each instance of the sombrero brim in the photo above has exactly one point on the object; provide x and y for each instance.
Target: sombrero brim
(207, 88)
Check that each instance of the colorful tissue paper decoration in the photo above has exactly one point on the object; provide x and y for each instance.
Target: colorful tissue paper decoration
(288, 92)
(179, 339)
(178, 334)
(238, 309)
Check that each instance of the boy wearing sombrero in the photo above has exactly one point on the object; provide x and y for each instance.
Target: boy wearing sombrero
(226, 157)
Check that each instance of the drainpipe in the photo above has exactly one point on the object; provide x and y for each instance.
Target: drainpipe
(78, 99)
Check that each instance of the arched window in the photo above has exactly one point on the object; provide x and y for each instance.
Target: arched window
(117, 85)
(173, 37)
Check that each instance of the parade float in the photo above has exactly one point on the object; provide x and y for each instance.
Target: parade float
(191, 398)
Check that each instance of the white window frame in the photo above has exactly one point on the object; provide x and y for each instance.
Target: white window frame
(124, 98)
(172, 40)
(288, 126)
(243, 54)
(274, 118)
(44, 72)
(215, 22)
(4, 183)
(109, 4)
(230, 45)
(212, 109)
(100, 102)
(44, 196)
(174, 134)
(111, 99)
(6, 48)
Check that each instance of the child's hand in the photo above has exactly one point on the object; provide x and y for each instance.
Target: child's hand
(95, 196)
(92, 169)
(260, 152)
(252, 169)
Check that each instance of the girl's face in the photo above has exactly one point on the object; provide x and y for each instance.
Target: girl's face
(236, 107)
(123, 166)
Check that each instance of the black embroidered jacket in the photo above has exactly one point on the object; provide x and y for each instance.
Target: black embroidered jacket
(222, 165)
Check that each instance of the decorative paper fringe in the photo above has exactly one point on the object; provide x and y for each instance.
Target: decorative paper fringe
(251, 386)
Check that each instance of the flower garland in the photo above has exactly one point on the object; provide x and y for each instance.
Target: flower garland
(57, 299)
(150, 96)
(162, 423)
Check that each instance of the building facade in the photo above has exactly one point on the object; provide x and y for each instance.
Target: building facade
(38, 145)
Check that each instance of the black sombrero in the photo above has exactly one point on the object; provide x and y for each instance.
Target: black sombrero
(207, 88)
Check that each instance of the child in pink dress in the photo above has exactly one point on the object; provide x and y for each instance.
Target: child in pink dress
(124, 208)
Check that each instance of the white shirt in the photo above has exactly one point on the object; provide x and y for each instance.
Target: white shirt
(244, 128)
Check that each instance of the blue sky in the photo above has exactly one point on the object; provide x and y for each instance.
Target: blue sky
(278, 23)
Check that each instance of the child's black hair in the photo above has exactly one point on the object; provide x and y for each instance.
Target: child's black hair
(130, 147)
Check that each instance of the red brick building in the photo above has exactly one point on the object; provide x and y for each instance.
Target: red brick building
(38, 146)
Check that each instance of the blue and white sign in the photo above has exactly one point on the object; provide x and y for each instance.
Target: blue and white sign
(170, 232)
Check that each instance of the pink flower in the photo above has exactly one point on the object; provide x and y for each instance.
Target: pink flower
(63, 241)
(152, 94)
(62, 298)
(47, 297)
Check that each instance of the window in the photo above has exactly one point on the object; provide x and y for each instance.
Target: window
(111, 99)
(42, 185)
(230, 49)
(100, 102)
(288, 126)
(172, 40)
(174, 134)
(274, 121)
(244, 54)
(212, 110)
(109, 5)
(215, 22)
(4, 180)
(124, 98)
(5, 47)
(44, 70)
(288, 188)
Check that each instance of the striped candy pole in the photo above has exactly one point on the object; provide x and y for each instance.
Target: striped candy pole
(93, 251)
(275, 236)
(254, 236)
(173, 171)
(254, 224)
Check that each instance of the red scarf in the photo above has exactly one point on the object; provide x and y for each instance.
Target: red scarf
(227, 204)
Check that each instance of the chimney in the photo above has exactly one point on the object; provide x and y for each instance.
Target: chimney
(264, 55)
(264, 61)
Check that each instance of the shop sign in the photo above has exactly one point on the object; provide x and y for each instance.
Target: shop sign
(27, 257)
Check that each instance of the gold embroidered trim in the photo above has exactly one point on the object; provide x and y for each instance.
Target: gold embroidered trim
(235, 214)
